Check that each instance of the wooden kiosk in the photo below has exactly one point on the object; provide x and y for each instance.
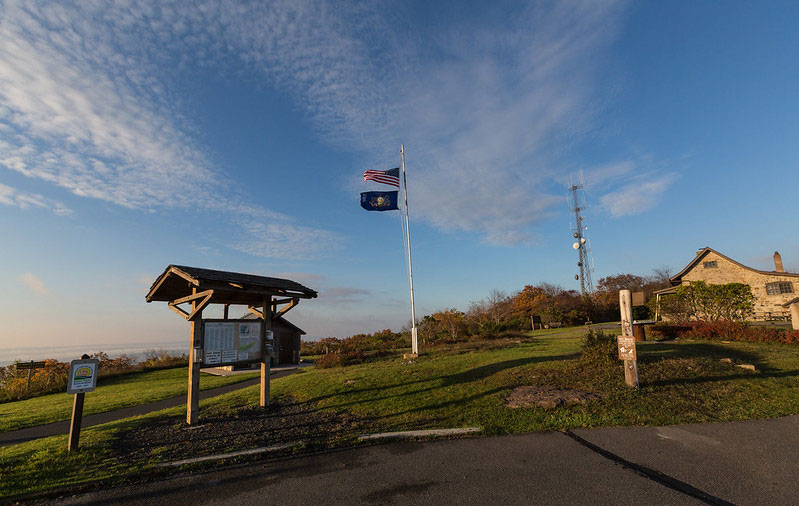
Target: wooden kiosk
(225, 341)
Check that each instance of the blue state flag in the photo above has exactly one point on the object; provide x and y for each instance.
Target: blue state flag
(379, 201)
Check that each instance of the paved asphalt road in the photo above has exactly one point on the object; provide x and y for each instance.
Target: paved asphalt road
(62, 427)
(750, 462)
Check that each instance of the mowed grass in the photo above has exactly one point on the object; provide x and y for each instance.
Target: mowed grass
(681, 382)
(112, 393)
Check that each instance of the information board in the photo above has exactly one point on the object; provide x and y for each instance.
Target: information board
(226, 342)
(82, 376)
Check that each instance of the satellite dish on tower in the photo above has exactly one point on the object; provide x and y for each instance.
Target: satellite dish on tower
(576, 245)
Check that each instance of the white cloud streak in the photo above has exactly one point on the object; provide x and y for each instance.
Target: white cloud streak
(87, 106)
(34, 283)
(485, 106)
(12, 197)
(641, 194)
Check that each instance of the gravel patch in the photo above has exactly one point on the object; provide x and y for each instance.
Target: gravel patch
(281, 423)
(547, 397)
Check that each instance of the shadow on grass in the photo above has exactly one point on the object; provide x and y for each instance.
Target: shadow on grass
(448, 380)
(726, 377)
(652, 352)
(676, 349)
(451, 379)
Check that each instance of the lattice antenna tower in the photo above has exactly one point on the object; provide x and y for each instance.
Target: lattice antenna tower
(579, 232)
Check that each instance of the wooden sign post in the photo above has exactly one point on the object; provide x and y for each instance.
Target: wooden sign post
(266, 342)
(30, 366)
(82, 378)
(626, 341)
(195, 359)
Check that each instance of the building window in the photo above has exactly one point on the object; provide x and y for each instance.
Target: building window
(779, 287)
(710, 265)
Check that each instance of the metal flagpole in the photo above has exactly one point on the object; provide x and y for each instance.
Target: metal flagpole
(414, 340)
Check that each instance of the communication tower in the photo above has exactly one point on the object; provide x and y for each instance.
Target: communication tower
(579, 231)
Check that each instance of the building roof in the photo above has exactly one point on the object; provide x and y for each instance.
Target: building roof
(664, 291)
(228, 287)
(792, 301)
(675, 280)
(250, 316)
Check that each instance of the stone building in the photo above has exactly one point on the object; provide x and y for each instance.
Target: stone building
(772, 289)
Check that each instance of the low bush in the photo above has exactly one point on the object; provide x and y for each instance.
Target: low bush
(161, 359)
(53, 376)
(599, 349)
(340, 359)
(726, 331)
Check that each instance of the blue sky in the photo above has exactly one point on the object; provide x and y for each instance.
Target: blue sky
(234, 136)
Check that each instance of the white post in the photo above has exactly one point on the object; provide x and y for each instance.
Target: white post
(795, 315)
(414, 339)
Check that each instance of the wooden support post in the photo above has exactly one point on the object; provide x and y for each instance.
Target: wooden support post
(266, 326)
(74, 424)
(195, 359)
(626, 308)
(28, 385)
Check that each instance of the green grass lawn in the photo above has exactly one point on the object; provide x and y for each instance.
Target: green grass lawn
(112, 393)
(681, 382)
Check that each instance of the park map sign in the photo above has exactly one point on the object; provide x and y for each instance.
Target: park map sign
(227, 342)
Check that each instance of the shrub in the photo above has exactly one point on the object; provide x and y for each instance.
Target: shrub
(157, 359)
(703, 301)
(53, 377)
(340, 359)
(599, 348)
(735, 331)
(726, 331)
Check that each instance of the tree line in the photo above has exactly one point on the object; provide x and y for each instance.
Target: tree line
(501, 314)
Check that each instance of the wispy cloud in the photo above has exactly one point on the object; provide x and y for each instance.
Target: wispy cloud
(87, 106)
(337, 295)
(640, 194)
(34, 283)
(485, 105)
(483, 108)
(628, 187)
(12, 197)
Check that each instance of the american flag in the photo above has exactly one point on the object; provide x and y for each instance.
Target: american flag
(389, 177)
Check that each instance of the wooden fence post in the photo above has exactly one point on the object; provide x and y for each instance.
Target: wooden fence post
(630, 366)
(266, 327)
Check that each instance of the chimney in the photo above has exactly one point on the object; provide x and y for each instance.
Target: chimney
(778, 262)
